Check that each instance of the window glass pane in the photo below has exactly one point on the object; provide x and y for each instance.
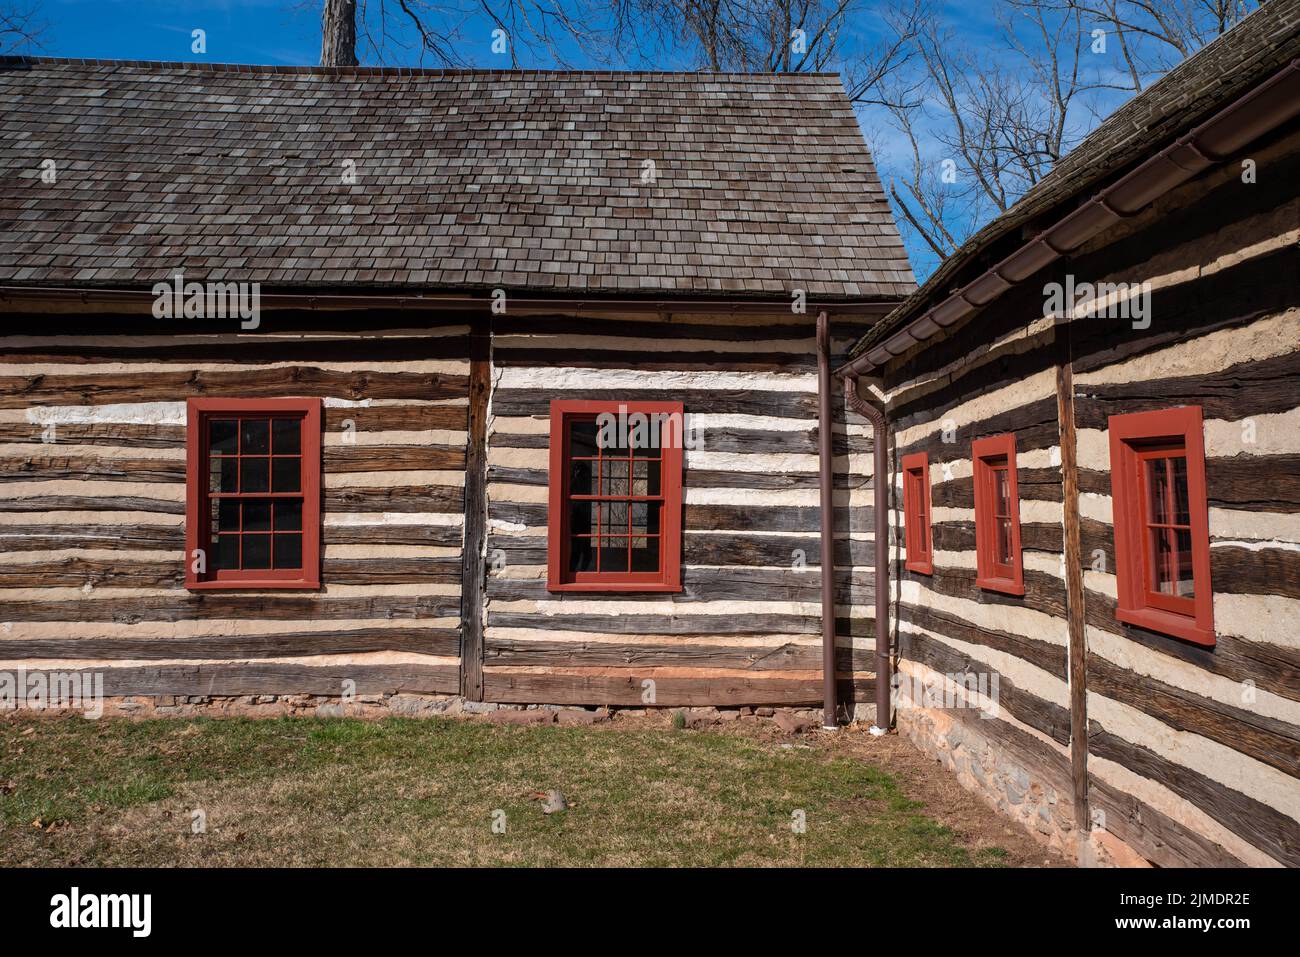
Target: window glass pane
(640, 516)
(225, 552)
(1001, 492)
(645, 554)
(1183, 584)
(1002, 541)
(613, 554)
(224, 475)
(286, 436)
(257, 516)
(1157, 491)
(614, 477)
(580, 477)
(1182, 509)
(227, 515)
(582, 438)
(254, 474)
(223, 436)
(288, 551)
(580, 518)
(286, 475)
(582, 557)
(257, 551)
(613, 517)
(254, 436)
(652, 519)
(288, 516)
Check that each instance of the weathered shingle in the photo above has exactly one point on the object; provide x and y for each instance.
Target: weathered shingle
(467, 179)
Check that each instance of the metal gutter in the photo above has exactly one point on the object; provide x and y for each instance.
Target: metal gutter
(1260, 111)
(826, 480)
(881, 480)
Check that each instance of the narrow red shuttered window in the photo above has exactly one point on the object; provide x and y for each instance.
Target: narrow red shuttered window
(252, 513)
(615, 496)
(997, 515)
(916, 513)
(1161, 518)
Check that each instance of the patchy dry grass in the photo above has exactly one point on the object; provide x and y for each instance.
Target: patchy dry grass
(423, 792)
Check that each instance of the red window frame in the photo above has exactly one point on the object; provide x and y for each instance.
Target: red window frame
(198, 515)
(990, 458)
(917, 535)
(668, 577)
(1135, 439)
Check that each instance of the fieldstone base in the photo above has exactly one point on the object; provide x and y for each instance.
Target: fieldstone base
(376, 706)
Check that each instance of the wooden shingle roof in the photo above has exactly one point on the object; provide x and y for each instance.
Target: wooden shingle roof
(463, 179)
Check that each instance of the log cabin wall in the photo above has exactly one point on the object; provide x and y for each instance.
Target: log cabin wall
(92, 503)
(745, 630)
(1193, 753)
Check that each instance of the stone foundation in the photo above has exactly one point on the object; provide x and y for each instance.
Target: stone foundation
(997, 776)
(1011, 785)
(377, 706)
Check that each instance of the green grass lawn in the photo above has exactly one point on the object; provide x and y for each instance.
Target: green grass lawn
(308, 791)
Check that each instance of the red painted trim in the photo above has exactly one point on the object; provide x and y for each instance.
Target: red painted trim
(198, 516)
(1130, 435)
(669, 576)
(990, 574)
(918, 534)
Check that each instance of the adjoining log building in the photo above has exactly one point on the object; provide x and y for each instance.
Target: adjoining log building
(1093, 409)
(571, 388)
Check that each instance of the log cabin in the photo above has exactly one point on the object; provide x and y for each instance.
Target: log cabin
(1094, 416)
(385, 480)
(571, 389)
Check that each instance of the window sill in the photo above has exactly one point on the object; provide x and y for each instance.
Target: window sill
(253, 585)
(613, 587)
(1167, 623)
(921, 568)
(1007, 586)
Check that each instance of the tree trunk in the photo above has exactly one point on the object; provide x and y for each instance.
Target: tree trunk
(339, 33)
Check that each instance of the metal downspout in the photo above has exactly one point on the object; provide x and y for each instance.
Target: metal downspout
(881, 480)
(825, 450)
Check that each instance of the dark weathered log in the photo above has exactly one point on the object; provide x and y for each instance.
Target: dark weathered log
(1041, 485)
(1259, 824)
(1265, 739)
(711, 584)
(45, 538)
(91, 503)
(658, 360)
(722, 518)
(278, 678)
(442, 642)
(380, 458)
(960, 537)
(1045, 716)
(731, 690)
(687, 654)
(1051, 658)
(17, 392)
(206, 606)
(1271, 667)
(52, 466)
(1156, 836)
(403, 498)
(793, 405)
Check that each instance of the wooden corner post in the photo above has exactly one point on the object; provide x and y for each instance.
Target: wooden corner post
(1078, 657)
(474, 556)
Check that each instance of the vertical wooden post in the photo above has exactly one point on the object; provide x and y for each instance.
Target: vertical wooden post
(1078, 673)
(474, 557)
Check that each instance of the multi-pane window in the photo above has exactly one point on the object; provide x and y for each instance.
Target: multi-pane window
(615, 496)
(916, 513)
(997, 515)
(253, 508)
(1161, 523)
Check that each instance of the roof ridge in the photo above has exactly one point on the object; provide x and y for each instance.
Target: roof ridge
(203, 67)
